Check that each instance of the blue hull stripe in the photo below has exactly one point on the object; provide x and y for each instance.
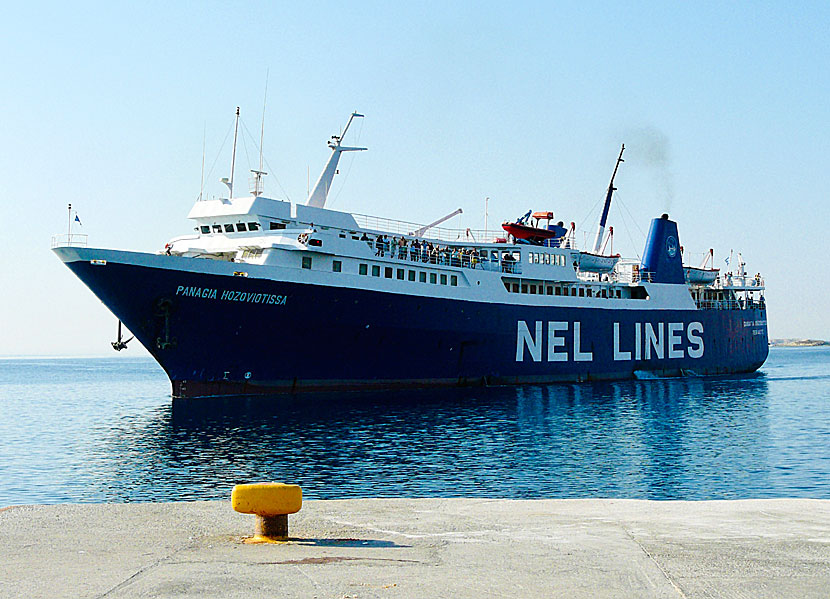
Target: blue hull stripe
(217, 335)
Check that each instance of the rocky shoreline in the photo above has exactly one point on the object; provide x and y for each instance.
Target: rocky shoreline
(798, 342)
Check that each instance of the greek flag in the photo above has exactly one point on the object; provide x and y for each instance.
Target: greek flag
(726, 260)
(78, 220)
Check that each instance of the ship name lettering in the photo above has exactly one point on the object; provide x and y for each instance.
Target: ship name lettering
(232, 296)
(660, 340)
(534, 344)
(193, 291)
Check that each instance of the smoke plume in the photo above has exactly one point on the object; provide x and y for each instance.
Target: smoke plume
(653, 151)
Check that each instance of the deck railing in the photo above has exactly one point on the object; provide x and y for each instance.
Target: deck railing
(400, 227)
(75, 240)
(442, 257)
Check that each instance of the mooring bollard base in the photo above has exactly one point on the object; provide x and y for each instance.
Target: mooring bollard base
(271, 528)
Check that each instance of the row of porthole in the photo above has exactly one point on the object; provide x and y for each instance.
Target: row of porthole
(390, 273)
(409, 275)
(542, 289)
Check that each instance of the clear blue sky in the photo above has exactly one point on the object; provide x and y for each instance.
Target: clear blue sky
(723, 108)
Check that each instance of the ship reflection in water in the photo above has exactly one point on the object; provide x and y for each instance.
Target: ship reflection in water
(658, 439)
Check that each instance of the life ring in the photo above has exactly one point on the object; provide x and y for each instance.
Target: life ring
(302, 238)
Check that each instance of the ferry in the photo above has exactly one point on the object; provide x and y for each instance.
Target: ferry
(269, 296)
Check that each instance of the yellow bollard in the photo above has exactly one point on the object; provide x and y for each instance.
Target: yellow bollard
(271, 502)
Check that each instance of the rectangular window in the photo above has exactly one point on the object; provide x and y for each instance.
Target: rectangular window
(375, 270)
(558, 290)
(573, 291)
(589, 292)
(443, 279)
(240, 227)
(387, 272)
(363, 269)
(217, 228)
(454, 281)
(432, 278)
(547, 258)
(205, 229)
(400, 274)
(411, 274)
(507, 286)
(306, 261)
(533, 289)
(524, 288)
(515, 288)
(228, 228)
(619, 295)
(274, 226)
(422, 277)
(253, 226)
(581, 292)
(550, 290)
(337, 266)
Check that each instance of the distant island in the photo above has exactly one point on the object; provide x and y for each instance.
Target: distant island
(798, 342)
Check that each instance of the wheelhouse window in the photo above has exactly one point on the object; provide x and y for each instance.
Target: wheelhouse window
(443, 279)
(411, 275)
(307, 262)
(253, 226)
(387, 272)
(432, 278)
(454, 281)
(274, 226)
(337, 266)
(363, 269)
(241, 228)
(205, 229)
(217, 228)
(228, 228)
(375, 270)
(422, 277)
(400, 274)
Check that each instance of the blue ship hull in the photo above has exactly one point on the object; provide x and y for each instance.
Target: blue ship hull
(224, 335)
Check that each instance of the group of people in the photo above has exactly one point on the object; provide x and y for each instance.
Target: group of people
(424, 251)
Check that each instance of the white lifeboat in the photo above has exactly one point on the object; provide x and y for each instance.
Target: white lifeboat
(700, 276)
(591, 262)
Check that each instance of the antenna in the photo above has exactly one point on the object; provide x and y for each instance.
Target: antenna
(258, 174)
(225, 180)
(202, 181)
(486, 200)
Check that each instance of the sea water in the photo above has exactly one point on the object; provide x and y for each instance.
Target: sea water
(104, 430)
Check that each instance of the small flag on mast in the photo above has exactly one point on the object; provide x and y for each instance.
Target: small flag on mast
(78, 220)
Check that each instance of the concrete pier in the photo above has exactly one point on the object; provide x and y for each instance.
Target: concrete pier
(423, 548)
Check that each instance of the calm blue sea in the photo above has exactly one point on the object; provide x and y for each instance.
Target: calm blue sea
(103, 430)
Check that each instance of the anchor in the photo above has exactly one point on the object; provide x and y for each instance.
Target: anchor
(119, 343)
(163, 311)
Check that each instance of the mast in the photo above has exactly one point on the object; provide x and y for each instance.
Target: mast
(317, 197)
(225, 180)
(604, 217)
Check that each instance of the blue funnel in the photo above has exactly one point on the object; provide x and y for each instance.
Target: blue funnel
(662, 262)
